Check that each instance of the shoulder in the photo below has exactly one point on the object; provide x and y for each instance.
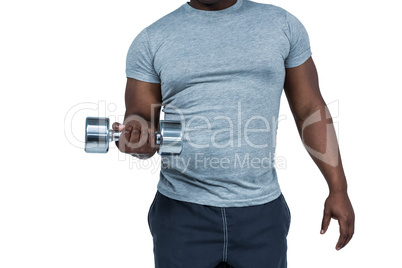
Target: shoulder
(157, 31)
(265, 8)
(267, 12)
(166, 23)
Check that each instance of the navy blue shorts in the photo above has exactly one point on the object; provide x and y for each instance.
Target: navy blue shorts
(187, 234)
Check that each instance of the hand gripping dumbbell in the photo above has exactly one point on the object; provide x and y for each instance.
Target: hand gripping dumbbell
(98, 135)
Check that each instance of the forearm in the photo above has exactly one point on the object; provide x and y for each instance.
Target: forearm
(319, 138)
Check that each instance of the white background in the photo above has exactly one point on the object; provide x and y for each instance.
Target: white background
(60, 207)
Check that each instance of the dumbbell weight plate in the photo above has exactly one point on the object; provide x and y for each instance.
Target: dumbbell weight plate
(170, 138)
(97, 135)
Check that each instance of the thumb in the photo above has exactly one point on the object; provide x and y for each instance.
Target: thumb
(326, 219)
(117, 126)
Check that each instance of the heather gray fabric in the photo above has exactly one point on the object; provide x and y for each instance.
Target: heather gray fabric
(222, 74)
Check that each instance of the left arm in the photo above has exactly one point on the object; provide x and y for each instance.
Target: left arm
(315, 127)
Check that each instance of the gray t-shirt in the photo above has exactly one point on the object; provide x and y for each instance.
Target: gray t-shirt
(222, 74)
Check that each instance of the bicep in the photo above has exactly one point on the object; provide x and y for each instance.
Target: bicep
(302, 89)
(143, 99)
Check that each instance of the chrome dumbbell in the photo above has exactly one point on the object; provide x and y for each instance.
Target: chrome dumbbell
(98, 135)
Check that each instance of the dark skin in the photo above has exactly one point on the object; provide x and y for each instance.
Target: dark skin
(144, 100)
(211, 5)
(304, 97)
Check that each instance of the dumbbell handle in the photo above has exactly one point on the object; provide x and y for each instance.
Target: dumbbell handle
(115, 135)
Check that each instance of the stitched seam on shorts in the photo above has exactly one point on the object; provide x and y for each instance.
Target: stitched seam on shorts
(225, 234)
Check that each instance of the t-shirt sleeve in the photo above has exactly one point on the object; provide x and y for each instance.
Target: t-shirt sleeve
(139, 62)
(300, 49)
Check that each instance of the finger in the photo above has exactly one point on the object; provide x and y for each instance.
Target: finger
(351, 228)
(326, 219)
(117, 126)
(135, 135)
(344, 234)
(124, 138)
(138, 139)
(127, 133)
(143, 139)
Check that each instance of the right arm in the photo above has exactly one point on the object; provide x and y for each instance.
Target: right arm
(143, 100)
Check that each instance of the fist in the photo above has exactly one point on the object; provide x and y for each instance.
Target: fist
(137, 137)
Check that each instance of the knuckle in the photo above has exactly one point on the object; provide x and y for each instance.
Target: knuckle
(135, 131)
